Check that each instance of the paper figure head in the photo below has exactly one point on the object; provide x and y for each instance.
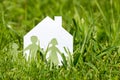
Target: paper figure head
(34, 39)
(54, 42)
(15, 46)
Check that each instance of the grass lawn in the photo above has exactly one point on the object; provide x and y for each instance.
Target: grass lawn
(94, 24)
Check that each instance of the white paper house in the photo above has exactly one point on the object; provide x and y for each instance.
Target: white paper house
(48, 29)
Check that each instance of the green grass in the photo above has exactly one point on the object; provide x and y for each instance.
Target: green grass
(95, 25)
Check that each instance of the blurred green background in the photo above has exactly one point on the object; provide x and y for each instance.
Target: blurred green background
(94, 24)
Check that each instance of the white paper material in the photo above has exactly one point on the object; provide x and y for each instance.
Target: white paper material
(45, 31)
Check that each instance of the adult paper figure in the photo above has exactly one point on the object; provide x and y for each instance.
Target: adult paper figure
(53, 57)
(33, 48)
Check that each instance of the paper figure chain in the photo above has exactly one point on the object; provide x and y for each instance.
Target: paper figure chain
(48, 34)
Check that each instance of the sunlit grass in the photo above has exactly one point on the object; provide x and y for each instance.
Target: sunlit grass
(94, 24)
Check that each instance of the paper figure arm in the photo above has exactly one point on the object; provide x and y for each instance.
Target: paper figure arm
(48, 48)
(39, 46)
(27, 48)
(59, 51)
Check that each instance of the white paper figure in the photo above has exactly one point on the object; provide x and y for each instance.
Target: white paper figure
(53, 51)
(45, 31)
(14, 51)
(33, 48)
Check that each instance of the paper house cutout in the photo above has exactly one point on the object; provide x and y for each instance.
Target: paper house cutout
(48, 29)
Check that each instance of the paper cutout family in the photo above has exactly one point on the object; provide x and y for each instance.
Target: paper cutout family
(48, 34)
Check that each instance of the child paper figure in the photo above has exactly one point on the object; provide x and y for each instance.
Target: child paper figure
(15, 51)
(53, 58)
(33, 48)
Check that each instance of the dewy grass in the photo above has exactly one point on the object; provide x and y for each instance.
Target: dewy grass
(94, 24)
